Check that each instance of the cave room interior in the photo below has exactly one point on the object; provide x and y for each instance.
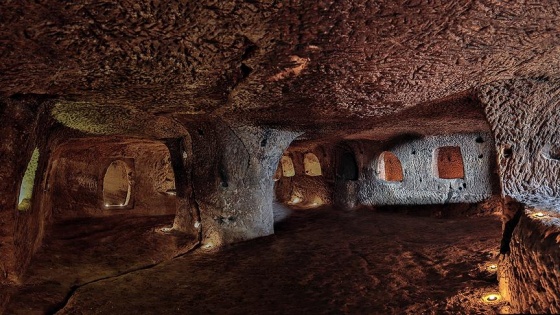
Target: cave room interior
(280, 157)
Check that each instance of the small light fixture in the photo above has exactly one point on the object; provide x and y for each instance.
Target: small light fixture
(106, 205)
(166, 229)
(492, 267)
(539, 214)
(491, 298)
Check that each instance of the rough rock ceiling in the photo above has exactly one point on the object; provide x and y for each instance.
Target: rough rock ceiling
(302, 63)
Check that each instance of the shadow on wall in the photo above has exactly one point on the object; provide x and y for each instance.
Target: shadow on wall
(281, 212)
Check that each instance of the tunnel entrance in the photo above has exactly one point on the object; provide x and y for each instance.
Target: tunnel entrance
(117, 188)
(347, 168)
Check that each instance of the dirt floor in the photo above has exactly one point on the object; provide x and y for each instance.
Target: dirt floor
(320, 261)
(80, 251)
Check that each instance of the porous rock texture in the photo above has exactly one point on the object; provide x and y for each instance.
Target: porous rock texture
(529, 274)
(233, 178)
(421, 183)
(227, 85)
(525, 121)
(265, 59)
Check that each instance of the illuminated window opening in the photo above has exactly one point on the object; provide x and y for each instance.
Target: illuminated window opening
(117, 188)
(28, 182)
(449, 162)
(312, 165)
(389, 167)
(287, 166)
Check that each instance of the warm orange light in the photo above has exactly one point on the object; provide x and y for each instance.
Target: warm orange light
(295, 200)
(539, 214)
(492, 267)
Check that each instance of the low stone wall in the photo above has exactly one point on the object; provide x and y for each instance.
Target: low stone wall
(529, 274)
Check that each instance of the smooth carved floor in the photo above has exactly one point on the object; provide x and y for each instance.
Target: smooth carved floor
(319, 261)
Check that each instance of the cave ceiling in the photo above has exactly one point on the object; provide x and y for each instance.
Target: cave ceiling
(318, 66)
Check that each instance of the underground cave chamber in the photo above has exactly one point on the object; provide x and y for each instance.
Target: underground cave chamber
(115, 202)
(256, 157)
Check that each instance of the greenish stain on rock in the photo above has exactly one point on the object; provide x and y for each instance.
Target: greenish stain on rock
(26, 189)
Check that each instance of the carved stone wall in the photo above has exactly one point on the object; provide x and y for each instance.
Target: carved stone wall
(421, 183)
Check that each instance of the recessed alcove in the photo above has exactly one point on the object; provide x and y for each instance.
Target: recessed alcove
(312, 165)
(117, 185)
(287, 166)
(448, 162)
(389, 167)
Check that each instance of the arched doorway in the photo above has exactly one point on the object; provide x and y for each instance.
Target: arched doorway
(347, 168)
(312, 165)
(117, 188)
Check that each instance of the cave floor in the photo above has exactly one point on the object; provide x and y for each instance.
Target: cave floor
(319, 261)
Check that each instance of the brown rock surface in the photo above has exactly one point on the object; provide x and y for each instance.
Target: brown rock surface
(222, 89)
(319, 261)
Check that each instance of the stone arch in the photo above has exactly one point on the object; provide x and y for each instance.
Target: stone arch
(117, 185)
(389, 167)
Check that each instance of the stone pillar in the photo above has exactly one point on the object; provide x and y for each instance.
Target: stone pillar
(233, 170)
(524, 115)
(529, 274)
(187, 218)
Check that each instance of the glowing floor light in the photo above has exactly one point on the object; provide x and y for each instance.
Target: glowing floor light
(539, 214)
(492, 267)
(295, 200)
(491, 298)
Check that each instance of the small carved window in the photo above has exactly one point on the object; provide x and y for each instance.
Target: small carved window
(389, 167)
(287, 166)
(312, 165)
(449, 162)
